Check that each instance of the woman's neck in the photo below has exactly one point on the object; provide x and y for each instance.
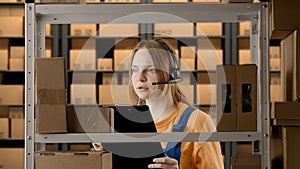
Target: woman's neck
(161, 108)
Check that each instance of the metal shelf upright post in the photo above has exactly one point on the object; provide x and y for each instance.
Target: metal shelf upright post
(39, 14)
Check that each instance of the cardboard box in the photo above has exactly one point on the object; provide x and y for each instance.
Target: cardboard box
(291, 140)
(209, 29)
(125, 79)
(285, 110)
(50, 95)
(275, 92)
(244, 28)
(244, 56)
(48, 53)
(281, 13)
(105, 64)
(3, 59)
(72, 1)
(110, 94)
(83, 29)
(73, 160)
(187, 64)
(4, 43)
(274, 51)
(82, 59)
(122, 59)
(119, 30)
(51, 118)
(17, 128)
(296, 66)
(17, 10)
(80, 147)
(4, 111)
(4, 128)
(188, 52)
(290, 67)
(83, 94)
(186, 78)
(16, 112)
(209, 59)
(12, 158)
(226, 98)
(188, 92)
(174, 29)
(274, 64)
(11, 94)
(246, 84)
(5, 11)
(109, 78)
(121, 43)
(16, 64)
(89, 119)
(12, 26)
(246, 161)
(50, 73)
(206, 94)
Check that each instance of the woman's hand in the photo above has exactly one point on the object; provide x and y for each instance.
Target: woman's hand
(97, 146)
(164, 162)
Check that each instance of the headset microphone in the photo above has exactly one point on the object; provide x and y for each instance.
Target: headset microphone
(167, 82)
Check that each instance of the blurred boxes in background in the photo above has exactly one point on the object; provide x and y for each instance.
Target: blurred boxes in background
(4, 128)
(105, 64)
(244, 28)
(122, 58)
(16, 64)
(3, 59)
(110, 94)
(119, 30)
(83, 94)
(174, 29)
(209, 59)
(188, 92)
(244, 56)
(188, 52)
(17, 128)
(82, 59)
(12, 94)
(83, 29)
(12, 26)
(12, 158)
(209, 29)
(206, 94)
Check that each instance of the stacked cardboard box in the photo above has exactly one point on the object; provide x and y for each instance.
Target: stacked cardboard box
(17, 56)
(12, 158)
(50, 95)
(73, 160)
(237, 97)
(280, 17)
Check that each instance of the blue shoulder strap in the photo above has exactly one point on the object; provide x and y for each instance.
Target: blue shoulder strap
(180, 126)
(173, 148)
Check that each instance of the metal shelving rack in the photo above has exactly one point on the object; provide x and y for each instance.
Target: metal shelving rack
(39, 14)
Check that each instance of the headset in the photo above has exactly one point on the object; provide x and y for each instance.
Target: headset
(174, 72)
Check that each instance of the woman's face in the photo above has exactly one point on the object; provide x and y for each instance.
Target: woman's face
(143, 74)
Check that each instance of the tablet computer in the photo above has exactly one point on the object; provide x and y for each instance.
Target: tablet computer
(133, 119)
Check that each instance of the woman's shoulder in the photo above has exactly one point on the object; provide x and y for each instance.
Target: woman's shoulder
(200, 121)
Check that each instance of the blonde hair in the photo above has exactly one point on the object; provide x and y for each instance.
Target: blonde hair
(162, 61)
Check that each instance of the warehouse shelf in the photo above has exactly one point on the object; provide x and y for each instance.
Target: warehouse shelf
(105, 13)
(147, 137)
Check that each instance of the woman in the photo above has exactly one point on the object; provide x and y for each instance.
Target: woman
(153, 70)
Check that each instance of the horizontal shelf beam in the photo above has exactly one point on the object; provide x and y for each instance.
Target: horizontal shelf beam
(146, 13)
(147, 137)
